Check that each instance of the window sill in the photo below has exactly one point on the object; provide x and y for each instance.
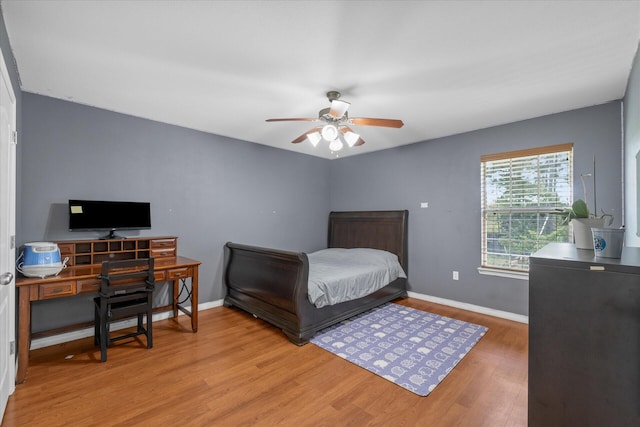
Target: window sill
(503, 273)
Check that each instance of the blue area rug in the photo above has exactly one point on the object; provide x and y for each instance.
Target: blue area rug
(409, 347)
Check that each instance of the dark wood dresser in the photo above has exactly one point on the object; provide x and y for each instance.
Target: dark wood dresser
(584, 338)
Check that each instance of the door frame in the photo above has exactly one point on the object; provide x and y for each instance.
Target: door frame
(11, 203)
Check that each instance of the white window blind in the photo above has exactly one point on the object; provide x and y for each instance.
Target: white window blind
(520, 190)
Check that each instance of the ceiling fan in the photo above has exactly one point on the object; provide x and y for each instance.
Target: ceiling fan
(335, 128)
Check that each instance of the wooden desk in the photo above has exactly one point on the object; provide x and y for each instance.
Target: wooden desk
(80, 279)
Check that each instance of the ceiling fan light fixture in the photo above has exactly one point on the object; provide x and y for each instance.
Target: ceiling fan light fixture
(329, 132)
(351, 138)
(334, 122)
(314, 138)
(338, 108)
(335, 145)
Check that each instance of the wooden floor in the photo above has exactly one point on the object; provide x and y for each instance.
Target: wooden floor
(239, 371)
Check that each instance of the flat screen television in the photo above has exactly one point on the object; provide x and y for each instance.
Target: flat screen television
(96, 215)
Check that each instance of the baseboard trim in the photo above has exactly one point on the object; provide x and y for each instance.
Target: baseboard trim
(88, 332)
(471, 307)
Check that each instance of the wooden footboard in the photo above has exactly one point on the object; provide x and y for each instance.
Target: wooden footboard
(267, 283)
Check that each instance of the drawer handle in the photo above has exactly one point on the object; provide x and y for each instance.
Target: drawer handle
(58, 290)
(178, 274)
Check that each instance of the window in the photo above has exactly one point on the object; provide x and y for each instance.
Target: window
(520, 191)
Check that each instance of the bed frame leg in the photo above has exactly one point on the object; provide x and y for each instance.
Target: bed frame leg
(297, 339)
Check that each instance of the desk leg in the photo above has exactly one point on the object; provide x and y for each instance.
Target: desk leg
(176, 297)
(191, 295)
(194, 300)
(24, 333)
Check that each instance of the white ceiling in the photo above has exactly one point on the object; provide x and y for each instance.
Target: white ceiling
(443, 67)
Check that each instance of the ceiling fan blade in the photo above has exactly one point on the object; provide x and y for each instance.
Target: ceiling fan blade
(368, 121)
(298, 119)
(304, 135)
(360, 141)
(338, 108)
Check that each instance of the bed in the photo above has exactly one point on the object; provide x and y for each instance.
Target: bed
(272, 284)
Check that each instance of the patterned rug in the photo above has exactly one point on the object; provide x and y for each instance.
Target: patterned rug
(409, 347)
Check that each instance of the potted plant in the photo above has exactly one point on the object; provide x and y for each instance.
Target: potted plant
(581, 219)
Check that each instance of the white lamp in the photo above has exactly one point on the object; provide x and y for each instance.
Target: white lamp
(335, 145)
(329, 132)
(338, 108)
(314, 138)
(351, 137)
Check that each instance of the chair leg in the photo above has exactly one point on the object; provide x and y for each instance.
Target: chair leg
(150, 328)
(96, 324)
(104, 331)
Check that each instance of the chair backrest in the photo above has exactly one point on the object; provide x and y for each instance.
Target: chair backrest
(125, 276)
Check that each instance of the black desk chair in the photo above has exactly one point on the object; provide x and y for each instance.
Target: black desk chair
(125, 291)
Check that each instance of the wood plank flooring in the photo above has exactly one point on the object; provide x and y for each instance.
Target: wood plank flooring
(240, 371)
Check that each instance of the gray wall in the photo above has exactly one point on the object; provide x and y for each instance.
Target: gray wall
(631, 150)
(446, 173)
(203, 188)
(208, 189)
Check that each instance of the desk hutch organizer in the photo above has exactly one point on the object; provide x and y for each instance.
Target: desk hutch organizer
(86, 252)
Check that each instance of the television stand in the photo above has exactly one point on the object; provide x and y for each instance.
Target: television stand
(112, 236)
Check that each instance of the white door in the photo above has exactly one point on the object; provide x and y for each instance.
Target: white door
(7, 236)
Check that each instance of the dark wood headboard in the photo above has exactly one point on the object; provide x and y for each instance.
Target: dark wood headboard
(386, 230)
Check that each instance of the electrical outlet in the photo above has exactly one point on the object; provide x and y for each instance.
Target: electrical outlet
(424, 204)
(455, 275)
